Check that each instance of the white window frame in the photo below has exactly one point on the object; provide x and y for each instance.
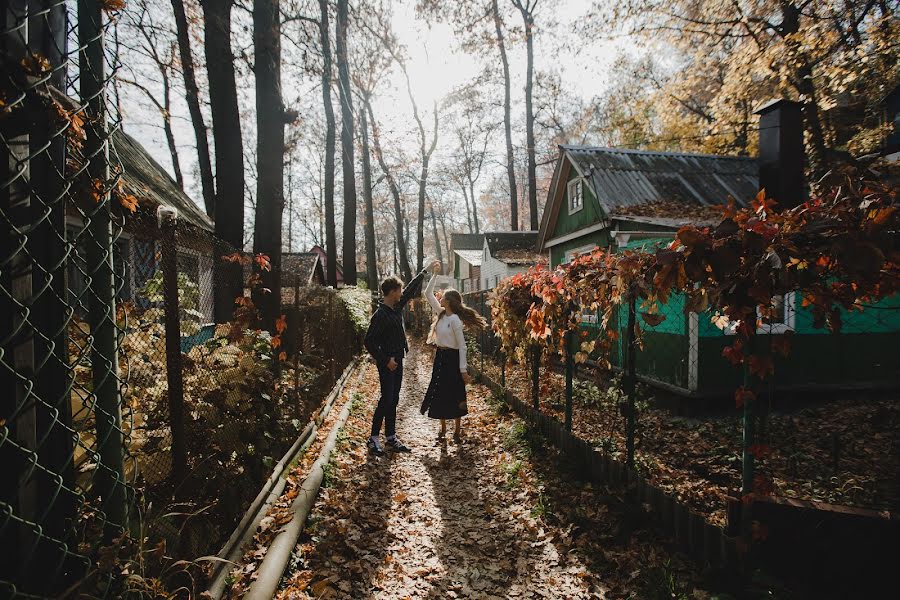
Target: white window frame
(204, 266)
(570, 196)
(789, 323)
(570, 254)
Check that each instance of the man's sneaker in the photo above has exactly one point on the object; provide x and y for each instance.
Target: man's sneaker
(374, 447)
(396, 445)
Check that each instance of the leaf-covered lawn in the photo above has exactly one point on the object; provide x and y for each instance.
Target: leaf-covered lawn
(841, 451)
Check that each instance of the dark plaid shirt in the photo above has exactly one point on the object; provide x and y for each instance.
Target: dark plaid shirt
(386, 337)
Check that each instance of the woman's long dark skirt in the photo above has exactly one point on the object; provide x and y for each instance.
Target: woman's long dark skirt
(446, 394)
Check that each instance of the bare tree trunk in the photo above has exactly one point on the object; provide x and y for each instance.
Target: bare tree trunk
(347, 160)
(167, 127)
(404, 267)
(437, 238)
(270, 120)
(507, 124)
(192, 97)
(468, 211)
(229, 202)
(474, 204)
(528, 21)
(330, 233)
(371, 264)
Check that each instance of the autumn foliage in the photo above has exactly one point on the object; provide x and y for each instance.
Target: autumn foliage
(838, 250)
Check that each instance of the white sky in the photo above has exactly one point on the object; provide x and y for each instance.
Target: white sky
(436, 65)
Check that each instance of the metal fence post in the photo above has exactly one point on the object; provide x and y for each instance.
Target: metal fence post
(630, 386)
(168, 226)
(570, 372)
(298, 336)
(481, 337)
(748, 439)
(110, 481)
(535, 376)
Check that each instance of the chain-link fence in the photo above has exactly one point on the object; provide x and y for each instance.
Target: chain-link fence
(664, 402)
(140, 407)
(63, 428)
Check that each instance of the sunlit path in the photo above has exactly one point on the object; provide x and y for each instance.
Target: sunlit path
(441, 522)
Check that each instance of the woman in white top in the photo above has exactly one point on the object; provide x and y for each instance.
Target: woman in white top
(446, 395)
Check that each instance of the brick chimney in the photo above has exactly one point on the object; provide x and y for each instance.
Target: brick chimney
(781, 154)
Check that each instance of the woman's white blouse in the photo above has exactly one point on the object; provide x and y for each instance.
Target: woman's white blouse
(449, 329)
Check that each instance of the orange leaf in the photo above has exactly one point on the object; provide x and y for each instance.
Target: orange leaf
(281, 324)
(112, 5)
(652, 319)
(262, 261)
(282, 356)
(276, 341)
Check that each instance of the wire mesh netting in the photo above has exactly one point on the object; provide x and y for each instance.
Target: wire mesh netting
(141, 408)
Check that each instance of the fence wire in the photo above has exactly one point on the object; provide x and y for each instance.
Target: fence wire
(141, 407)
(63, 426)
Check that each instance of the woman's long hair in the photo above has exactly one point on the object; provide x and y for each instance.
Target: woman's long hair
(468, 316)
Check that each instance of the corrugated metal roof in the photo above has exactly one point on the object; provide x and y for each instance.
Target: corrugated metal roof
(622, 178)
(510, 240)
(473, 257)
(466, 241)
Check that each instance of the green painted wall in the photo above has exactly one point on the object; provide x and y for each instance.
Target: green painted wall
(558, 252)
(589, 214)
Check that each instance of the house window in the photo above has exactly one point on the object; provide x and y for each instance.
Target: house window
(571, 254)
(77, 269)
(576, 195)
(780, 320)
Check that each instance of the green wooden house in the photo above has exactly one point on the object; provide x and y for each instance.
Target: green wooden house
(618, 199)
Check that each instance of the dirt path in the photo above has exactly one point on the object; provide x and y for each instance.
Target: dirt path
(503, 515)
(440, 522)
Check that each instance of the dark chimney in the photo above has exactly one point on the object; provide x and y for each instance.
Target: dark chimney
(781, 153)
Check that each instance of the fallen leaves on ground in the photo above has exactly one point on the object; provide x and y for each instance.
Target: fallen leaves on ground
(837, 451)
(499, 515)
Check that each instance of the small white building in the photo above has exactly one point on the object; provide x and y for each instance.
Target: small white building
(506, 253)
(466, 250)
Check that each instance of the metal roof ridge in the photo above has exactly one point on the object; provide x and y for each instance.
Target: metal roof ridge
(571, 147)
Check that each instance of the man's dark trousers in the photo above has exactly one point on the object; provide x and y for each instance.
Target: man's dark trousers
(390, 396)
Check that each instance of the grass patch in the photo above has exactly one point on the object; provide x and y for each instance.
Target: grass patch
(518, 440)
(497, 403)
(513, 472)
(328, 475)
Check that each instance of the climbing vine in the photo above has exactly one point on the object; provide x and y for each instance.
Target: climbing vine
(838, 251)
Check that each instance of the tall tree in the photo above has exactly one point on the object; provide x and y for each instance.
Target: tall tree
(437, 238)
(426, 150)
(347, 145)
(507, 121)
(147, 39)
(192, 96)
(270, 121)
(330, 233)
(478, 21)
(229, 153)
(402, 232)
(831, 55)
(526, 8)
(371, 264)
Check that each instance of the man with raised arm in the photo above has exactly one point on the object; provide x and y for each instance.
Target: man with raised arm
(386, 342)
